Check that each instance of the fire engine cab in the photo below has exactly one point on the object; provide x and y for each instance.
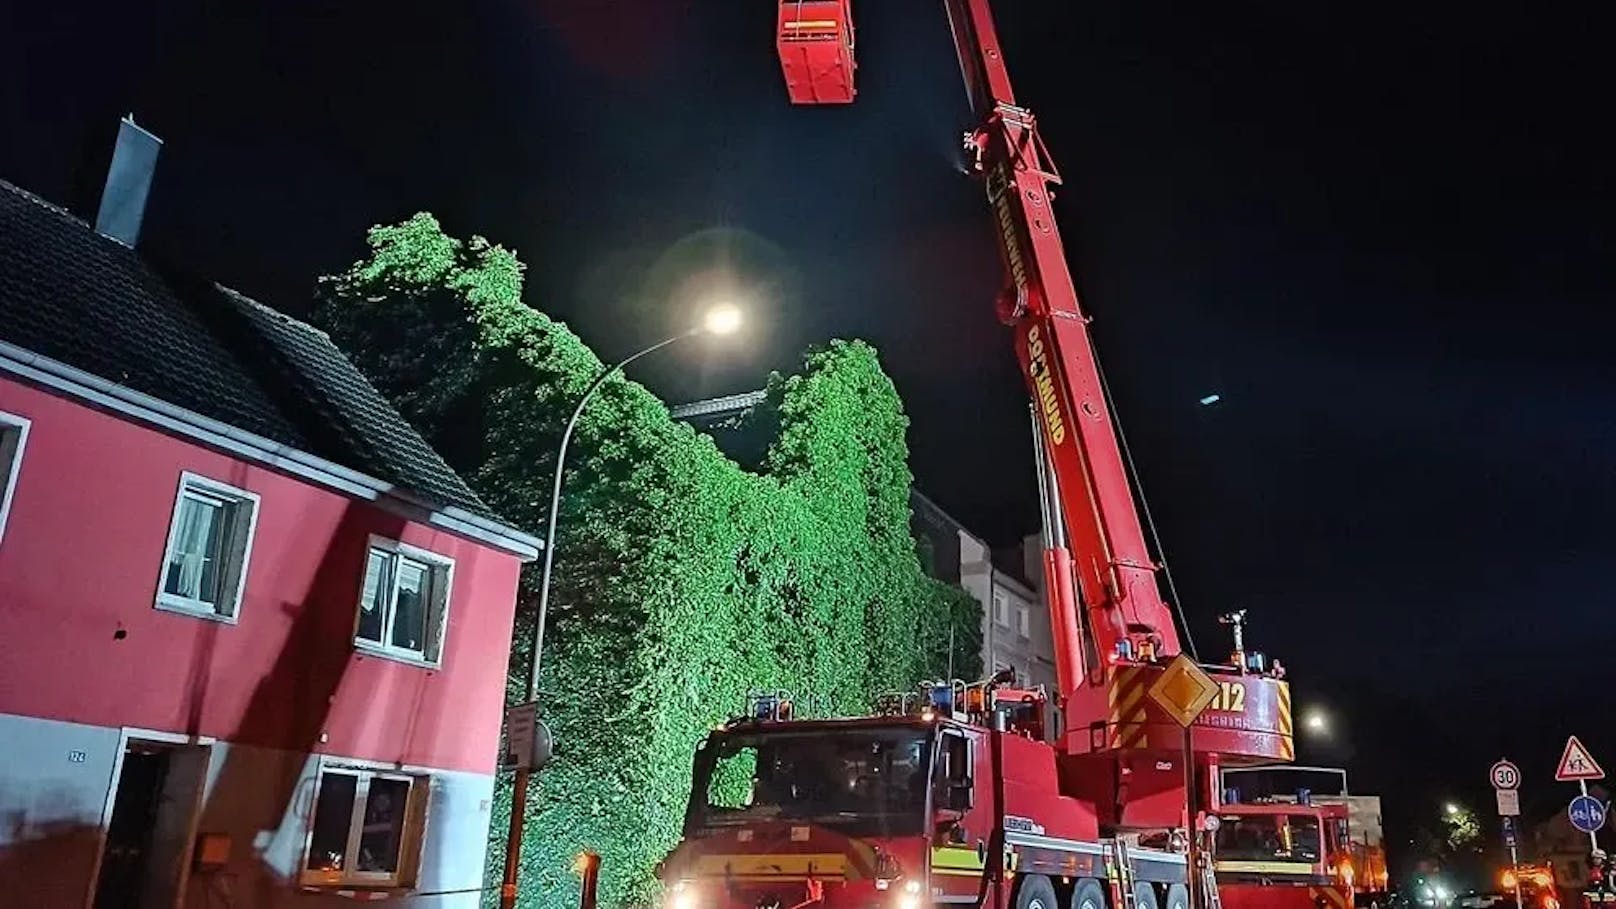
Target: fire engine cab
(927, 801)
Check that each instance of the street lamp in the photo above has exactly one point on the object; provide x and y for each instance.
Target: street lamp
(1316, 721)
(1451, 809)
(723, 319)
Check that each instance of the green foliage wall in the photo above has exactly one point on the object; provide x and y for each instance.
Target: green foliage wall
(682, 581)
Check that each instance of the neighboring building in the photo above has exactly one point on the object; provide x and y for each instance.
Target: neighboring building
(1015, 622)
(1566, 849)
(938, 535)
(255, 629)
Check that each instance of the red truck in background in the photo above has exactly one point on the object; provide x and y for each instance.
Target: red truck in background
(1279, 856)
(1352, 844)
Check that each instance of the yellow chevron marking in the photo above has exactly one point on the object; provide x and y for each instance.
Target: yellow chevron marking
(1131, 698)
(1331, 895)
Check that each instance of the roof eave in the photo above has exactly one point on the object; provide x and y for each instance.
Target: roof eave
(154, 411)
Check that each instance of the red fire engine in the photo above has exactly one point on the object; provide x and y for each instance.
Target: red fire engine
(955, 796)
(1279, 855)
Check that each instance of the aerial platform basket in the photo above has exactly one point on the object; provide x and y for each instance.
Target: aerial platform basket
(815, 39)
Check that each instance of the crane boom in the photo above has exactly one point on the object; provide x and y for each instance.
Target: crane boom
(1124, 703)
(1115, 573)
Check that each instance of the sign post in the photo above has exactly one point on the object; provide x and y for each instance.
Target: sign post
(1183, 691)
(1506, 780)
(528, 747)
(1578, 766)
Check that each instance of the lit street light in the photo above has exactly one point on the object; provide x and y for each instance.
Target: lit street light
(723, 319)
(1451, 809)
(1315, 721)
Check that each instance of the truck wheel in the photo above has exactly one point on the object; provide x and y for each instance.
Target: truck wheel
(1178, 896)
(1088, 894)
(1144, 895)
(1035, 892)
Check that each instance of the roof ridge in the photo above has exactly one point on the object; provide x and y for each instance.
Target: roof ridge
(272, 311)
(42, 202)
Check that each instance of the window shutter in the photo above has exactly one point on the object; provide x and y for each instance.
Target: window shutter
(233, 556)
(437, 615)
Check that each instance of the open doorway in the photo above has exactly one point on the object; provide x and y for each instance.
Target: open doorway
(148, 837)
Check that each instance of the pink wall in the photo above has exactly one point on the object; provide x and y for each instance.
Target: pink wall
(80, 560)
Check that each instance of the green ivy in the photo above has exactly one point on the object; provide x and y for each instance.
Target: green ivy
(682, 581)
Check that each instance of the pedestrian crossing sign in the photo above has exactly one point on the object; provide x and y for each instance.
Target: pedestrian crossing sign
(1576, 764)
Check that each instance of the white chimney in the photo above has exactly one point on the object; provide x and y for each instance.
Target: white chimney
(123, 199)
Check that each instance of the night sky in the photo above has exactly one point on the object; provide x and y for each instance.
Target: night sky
(1382, 232)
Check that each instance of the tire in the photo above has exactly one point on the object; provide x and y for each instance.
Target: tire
(1178, 897)
(1036, 892)
(1144, 895)
(1088, 894)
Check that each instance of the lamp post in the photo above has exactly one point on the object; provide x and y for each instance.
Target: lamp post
(720, 320)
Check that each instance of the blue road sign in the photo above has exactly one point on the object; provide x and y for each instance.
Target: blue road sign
(1509, 831)
(1587, 813)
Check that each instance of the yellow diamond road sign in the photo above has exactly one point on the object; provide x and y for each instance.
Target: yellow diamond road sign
(1183, 690)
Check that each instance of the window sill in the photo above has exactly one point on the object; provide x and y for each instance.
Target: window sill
(319, 883)
(365, 648)
(192, 608)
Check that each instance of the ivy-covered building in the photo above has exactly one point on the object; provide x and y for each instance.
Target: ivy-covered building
(1006, 582)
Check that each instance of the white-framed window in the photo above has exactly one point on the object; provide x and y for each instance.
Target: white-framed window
(13, 438)
(403, 602)
(209, 542)
(365, 828)
(1001, 609)
(1024, 621)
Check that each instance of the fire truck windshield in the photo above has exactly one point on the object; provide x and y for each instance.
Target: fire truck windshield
(1268, 838)
(856, 780)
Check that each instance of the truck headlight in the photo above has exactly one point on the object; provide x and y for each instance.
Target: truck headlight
(684, 896)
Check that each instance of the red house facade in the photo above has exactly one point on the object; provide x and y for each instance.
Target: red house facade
(255, 631)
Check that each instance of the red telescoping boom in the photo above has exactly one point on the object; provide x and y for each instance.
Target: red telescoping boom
(1115, 573)
(1115, 648)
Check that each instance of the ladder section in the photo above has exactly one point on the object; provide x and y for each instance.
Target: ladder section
(1120, 872)
(1208, 881)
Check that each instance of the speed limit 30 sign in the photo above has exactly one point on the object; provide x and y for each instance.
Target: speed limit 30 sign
(1505, 775)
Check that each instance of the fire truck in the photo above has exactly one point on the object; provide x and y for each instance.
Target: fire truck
(1336, 835)
(1535, 884)
(1284, 854)
(958, 794)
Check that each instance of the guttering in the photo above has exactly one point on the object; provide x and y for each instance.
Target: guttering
(145, 408)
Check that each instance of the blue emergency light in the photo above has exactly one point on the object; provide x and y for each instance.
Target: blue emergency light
(765, 707)
(942, 699)
(1304, 796)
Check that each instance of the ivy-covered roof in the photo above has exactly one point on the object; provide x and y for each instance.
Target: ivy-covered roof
(82, 299)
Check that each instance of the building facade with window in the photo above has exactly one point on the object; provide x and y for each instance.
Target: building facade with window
(255, 630)
(1015, 621)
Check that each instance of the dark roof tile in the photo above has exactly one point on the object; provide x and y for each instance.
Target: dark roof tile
(72, 295)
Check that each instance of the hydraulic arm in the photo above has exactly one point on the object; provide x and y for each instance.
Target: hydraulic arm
(1095, 517)
(1113, 631)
